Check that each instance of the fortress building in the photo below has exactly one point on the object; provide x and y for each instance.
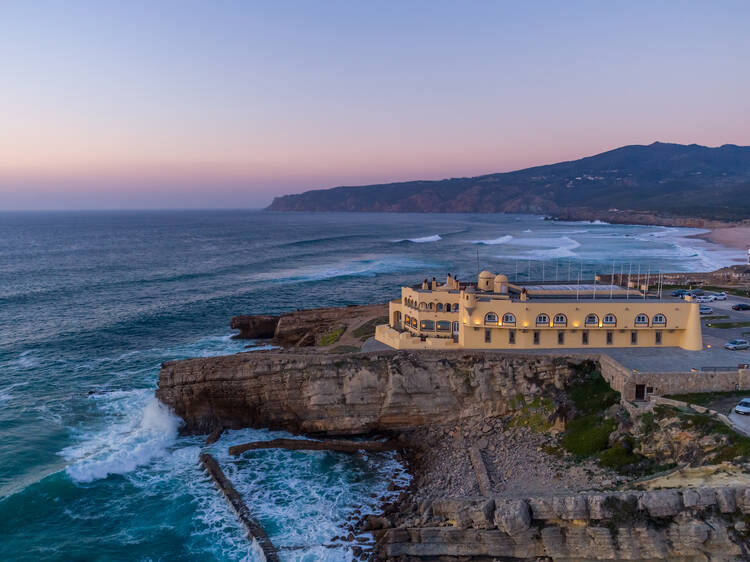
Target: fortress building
(496, 314)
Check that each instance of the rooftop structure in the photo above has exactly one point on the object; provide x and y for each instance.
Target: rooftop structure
(496, 314)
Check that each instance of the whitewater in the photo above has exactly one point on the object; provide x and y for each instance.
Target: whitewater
(93, 467)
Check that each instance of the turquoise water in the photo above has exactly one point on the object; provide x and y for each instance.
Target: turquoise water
(93, 468)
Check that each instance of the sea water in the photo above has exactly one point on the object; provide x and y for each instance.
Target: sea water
(92, 467)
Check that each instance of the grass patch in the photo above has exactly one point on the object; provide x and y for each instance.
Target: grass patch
(717, 317)
(332, 337)
(729, 325)
(367, 330)
(587, 435)
(706, 398)
(345, 349)
(620, 457)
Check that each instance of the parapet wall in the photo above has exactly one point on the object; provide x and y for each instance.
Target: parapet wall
(689, 524)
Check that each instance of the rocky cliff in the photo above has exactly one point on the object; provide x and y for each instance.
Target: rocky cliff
(355, 393)
(679, 525)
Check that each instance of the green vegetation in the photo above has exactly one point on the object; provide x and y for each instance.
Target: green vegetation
(332, 337)
(729, 325)
(367, 330)
(717, 317)
(588, 432)
(535, 415)
(345, 349)
(706, 398)
(620, 456)
(587, 435)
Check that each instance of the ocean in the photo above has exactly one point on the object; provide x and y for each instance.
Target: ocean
(92, 467)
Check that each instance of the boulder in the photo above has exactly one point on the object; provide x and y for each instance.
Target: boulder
(512, 516)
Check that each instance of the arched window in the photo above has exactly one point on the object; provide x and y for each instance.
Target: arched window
(641, 320)
(560, 320)
(422, 306)
(448, 307)
(427, 325)
(455, 307)
(440, 307)
(407, 319)
(490, 318)
(413, 322)
(431, 306)
(659, 320)
(508, 318)
(609, 320)
(592, 320)
(542, 320)
(443, 326)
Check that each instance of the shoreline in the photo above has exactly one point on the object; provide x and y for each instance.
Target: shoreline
(735, 237)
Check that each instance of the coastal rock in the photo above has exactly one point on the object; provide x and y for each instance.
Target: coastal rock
(254, 327)
(354, 393)
(512, 516)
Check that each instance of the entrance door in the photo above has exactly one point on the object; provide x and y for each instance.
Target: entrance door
(455, 328)
(640, 392)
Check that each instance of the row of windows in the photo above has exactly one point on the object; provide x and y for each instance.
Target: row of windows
(591, 320)
(561, 337)
(436, 306)
(428, 325)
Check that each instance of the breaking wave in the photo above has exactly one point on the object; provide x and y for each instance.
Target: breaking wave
(494, 241)
(433, 238)
(144, 429)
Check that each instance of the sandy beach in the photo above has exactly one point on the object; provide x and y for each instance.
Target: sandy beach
(732, 237)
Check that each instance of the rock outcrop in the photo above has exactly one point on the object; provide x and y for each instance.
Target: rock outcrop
(254, 327)
(305, 328)
(355, 393)
(687, 525)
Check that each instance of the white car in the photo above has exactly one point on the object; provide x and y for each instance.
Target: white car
(705, 309)
(720, 296)
(743, 407)
(736, 345)
(705, 298)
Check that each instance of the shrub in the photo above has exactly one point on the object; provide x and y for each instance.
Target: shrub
(593, 394)
(332, 337)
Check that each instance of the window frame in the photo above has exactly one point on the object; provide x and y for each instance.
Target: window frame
(604, 319)
(491, 322)
(642, 316)
(542, 322)
(509, 322)
(594, 323)
(563, 323)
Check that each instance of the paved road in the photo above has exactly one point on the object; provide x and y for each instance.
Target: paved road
(742, 423)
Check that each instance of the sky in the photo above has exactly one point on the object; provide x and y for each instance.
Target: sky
(226, 104)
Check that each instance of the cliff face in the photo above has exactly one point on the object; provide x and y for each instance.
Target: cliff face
(354, 393)
(686, 525)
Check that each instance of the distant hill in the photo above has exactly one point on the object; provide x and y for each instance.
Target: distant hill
(659, 183)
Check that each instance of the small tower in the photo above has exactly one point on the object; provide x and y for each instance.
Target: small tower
(485, 280)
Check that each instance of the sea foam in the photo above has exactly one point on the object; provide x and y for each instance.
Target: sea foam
(144, 429)
(494, 241)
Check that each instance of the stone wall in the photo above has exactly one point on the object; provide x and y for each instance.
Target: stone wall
(690, 524)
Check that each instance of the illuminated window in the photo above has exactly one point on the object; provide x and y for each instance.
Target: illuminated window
(427, 325)
(509, 318)
(490, 318)
(443, 326)
(542, 319)
(413, 322)
(560, 320)
(592, 320)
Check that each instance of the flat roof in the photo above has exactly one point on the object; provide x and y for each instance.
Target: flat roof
(572, 288)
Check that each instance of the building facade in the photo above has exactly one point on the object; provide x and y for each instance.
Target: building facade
(496, 314)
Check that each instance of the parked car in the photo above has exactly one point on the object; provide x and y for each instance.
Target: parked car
(679, 292)
(705, 298)
(736, 345)
(705, 309)
(743, 407)
(741, 306)
(720, 296)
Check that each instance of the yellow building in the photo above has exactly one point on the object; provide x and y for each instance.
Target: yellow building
(496, 314)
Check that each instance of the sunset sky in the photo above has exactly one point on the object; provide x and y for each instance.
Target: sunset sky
(219, 104)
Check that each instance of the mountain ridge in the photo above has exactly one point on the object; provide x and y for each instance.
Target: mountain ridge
(656, 183)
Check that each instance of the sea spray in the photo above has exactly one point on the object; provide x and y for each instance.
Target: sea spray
(144, 430)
